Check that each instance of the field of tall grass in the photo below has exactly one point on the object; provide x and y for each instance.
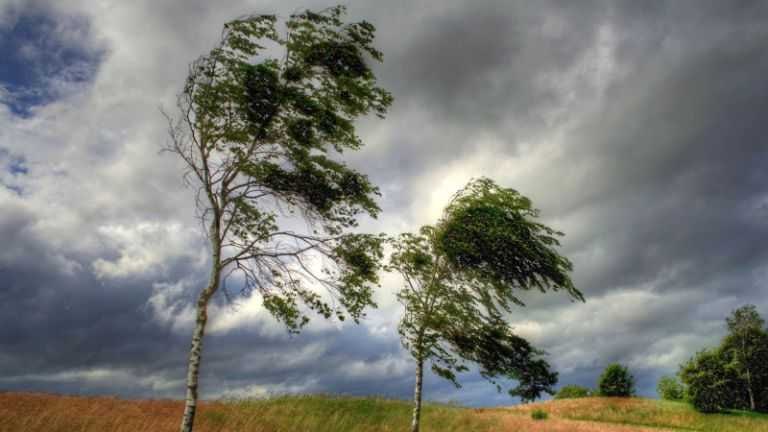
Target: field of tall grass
(50, 413)
(32, 412)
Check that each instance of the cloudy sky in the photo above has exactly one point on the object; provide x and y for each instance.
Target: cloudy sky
(638, 128)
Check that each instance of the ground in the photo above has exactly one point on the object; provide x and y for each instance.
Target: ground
(34, 412)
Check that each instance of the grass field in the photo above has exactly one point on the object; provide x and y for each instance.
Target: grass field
(636, 414)
(51, 413)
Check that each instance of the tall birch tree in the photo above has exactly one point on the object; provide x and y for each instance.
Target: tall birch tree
(263, 121)
(462, 276)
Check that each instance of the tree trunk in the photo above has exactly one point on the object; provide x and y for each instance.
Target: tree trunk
(417, 395)
(195, 352)
(751, 393)
(749, 376)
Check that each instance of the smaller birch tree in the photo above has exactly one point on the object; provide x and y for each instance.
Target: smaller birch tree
(461, 278)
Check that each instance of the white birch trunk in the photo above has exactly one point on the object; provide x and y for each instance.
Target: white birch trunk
(195, 352)
(749, 376)
(415, 423)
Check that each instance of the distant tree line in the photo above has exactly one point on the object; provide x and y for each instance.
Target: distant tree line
(615, 381)
(731, 376)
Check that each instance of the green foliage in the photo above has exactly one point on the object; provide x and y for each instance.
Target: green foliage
(616, 381)
(488, 233)
(744, 352)
(502, 354)
(669, 388)
(262, 138)
(573, 391)
(707, 382)
(454, 300)
(735, 374)
(539, 414)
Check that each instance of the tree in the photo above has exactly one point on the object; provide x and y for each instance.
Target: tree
(573, 391)
(745, 352)
(262, 138)
(669, 388)
(616, 381)
(462, 275)
(735, 374)
(707, 382)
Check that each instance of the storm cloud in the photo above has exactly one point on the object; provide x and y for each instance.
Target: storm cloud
(638, 128)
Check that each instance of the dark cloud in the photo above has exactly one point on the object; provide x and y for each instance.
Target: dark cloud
(637, 127)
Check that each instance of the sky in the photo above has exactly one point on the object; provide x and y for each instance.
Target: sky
(639, 129)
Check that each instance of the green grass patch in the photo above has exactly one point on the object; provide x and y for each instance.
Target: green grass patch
(323, 413)
(662, 414)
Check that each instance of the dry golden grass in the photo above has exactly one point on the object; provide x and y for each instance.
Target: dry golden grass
(34, 412)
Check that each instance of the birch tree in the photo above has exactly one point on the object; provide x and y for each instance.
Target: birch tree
(745, 351)
(263, 121)
(462, 277)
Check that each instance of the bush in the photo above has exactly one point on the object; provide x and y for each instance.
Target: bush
(538, 414)
(573, 391)
(616, 381)
(709, 383)
(669, 388)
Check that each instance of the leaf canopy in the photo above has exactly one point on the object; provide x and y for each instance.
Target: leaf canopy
(265, 118)
(489, 234)
(462, 275)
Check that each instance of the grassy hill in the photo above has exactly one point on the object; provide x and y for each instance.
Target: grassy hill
(51, 413)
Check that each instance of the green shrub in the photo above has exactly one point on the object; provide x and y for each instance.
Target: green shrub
(616, 381)
(710, 385)
(539, 414)
(669, 388)
(573, 391)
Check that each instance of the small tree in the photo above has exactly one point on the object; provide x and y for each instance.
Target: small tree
(261, 138)
(463, 274)
(616, 381)
(669, 388)
(573, 391)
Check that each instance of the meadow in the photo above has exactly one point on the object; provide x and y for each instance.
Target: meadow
(34, 412)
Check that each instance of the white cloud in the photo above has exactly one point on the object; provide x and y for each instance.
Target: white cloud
(146, 248)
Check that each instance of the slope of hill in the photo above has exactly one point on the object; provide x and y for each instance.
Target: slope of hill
(51, 413)
(635, 414)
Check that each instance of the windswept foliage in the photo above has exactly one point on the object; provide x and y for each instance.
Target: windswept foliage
(461, 277)
(262, 139)
(490, 235)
